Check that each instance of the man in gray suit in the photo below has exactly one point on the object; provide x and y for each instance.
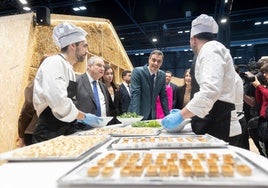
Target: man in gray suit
(147, 82)
(124, 91)
(174, 86)
(86, 101)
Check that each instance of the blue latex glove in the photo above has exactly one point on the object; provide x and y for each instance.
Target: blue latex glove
(173, 111)
(172, 121)
(92, 120)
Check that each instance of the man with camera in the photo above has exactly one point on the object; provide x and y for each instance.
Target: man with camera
(261, 96)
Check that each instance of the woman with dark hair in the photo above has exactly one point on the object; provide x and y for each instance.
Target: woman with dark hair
(108, 80)
(183, 93)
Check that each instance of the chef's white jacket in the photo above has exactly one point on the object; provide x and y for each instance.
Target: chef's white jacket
(215, 74)
(50, 88)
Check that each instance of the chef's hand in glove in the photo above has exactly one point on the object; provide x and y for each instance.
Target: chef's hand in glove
(91, 119)
(172, 121)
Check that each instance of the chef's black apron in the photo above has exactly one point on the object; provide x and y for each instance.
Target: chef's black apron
(50, 127)
(217, 122)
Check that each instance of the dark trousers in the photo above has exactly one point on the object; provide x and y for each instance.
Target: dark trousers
(253, 132)
(28, 139)
(240, 141)
(264, 147)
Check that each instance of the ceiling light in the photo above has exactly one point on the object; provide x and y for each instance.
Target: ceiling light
(190, 60)
(249, 44)
(122, 38)
(76, 9)
(180, 32)
(223, 20)
(265, 22)
(243, 45)
(141, 53)
(83, 8)
(24, 2)
(137, 54)
(187, 31)
(257, 23)
(26, 8)
(154, 40)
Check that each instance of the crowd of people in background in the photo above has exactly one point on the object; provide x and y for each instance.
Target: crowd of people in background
(220, 101)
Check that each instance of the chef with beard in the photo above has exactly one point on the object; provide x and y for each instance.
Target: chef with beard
(55, 86)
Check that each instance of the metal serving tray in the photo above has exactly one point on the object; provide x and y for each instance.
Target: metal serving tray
(179, 141)
(79, 175)
(62, 148)
(123, 131)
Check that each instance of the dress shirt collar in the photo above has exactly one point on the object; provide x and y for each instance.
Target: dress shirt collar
(125, 84)
(90, 78)
(151, 72)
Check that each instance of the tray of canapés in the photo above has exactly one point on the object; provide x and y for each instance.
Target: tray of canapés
(146, 128)
(58, 149)
(180, 168)
(179, 141)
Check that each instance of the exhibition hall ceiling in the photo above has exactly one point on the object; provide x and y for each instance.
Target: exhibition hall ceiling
(137, 22)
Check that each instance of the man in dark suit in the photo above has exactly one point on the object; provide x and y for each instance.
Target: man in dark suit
(124, 91)
(86, 101)
(174, 86)
(147, 82)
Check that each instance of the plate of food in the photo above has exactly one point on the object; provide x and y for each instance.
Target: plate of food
(104, 121)
(62, 148)
(168, 142)
(150, 123)
(128, 118)
(122, 131)
(169, 168)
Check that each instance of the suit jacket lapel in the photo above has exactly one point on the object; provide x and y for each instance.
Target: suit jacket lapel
(148, 75)
(87, 86)
(158, 77)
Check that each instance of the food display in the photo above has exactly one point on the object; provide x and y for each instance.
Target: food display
(219, 167)
(180, 141)
(59, 148)
(128, 118)
(122, 131)
(152, 123)
(129, 115)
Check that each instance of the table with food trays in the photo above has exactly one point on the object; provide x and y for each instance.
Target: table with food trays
(126, 156)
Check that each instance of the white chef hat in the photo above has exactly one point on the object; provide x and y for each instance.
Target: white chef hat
(67, 33)
(204, 24)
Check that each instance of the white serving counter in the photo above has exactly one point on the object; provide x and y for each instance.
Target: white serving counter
(46, 174)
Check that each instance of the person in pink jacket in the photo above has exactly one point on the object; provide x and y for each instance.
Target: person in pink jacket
(159, 110)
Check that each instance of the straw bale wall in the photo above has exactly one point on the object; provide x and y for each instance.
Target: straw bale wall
(23, 44)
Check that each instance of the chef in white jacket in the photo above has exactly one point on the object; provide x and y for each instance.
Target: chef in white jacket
(55, 87)
(211, 106)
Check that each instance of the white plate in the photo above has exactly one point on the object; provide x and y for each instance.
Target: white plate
(104, 121)
(129, 121)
